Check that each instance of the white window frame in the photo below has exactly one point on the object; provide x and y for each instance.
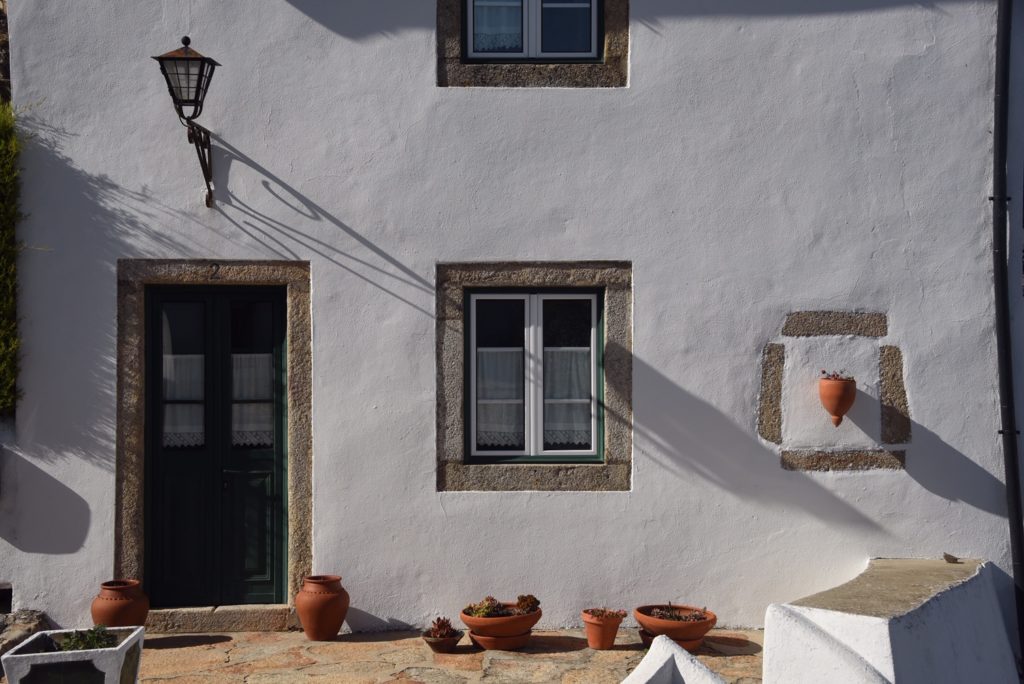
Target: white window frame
(532, 31)
(533, 370)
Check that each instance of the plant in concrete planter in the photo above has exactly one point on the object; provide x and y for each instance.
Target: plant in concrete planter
(98, 655)
(442, 637)
(601, 625)
(837, 392)
(503, 626)
(686, 625)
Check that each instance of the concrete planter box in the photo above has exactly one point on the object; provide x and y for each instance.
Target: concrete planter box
(29, 663)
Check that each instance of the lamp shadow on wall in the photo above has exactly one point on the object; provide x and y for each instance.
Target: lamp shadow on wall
(377, 268)
(688, 436)
(69, 359)
(941, 468)
(39, 513)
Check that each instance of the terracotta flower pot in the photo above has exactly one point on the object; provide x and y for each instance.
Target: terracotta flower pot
(837, 396)
(321, 604)
(675, 629)
(503, 643)
(511, 625)
(120, 603)
(601, 631)
(443, 644)
(647, 639)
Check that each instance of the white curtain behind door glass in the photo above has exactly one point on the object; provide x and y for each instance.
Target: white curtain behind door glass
(567, 398)
(252, 389)
(499, 393)
(183, 376)
(498, 25)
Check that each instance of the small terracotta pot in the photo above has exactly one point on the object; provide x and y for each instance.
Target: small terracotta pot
(837, 397)
(443, 644)
(502, 643)
(120, 603)
(601, 631)
(511, 625)
(674, 629)
(321, 604)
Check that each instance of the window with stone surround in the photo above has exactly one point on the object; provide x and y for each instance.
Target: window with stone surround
(534, 376)
(533, 43)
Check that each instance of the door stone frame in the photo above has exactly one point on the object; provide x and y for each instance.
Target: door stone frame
(133, 275)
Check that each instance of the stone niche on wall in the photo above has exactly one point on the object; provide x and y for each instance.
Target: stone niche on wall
(790, 415)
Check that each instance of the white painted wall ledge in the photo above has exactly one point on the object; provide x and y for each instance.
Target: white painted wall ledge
(901, 620)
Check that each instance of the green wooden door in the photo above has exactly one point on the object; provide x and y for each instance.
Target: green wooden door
(215, 459)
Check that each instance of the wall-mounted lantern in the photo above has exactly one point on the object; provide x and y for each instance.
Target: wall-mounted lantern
(188, 76)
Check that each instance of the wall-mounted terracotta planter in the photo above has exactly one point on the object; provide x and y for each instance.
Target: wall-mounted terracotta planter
(322, 604)
(837, 396)
(120, 603)
(601, 630)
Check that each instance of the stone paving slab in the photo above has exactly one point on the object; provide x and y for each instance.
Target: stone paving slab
(403, 658)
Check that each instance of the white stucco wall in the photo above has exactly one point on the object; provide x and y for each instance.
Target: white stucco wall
(767, 157)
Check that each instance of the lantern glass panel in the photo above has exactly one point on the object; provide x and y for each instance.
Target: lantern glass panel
(183, 77)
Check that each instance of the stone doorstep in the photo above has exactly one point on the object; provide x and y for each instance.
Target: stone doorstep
(244, 618)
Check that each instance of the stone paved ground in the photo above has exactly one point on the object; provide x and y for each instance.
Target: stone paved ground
(403, 658)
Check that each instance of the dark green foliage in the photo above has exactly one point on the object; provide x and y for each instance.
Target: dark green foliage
(10, 190)
(97, 637)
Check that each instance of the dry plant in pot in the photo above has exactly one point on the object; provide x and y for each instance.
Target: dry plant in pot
(502, 626)
(837, 392)
(686, 625)
(601, 625)
(442, 637)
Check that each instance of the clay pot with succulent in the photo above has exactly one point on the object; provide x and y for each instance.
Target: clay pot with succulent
(494, 625)
(686, 625)
(442, 637)
(837, 392)
(601, 626)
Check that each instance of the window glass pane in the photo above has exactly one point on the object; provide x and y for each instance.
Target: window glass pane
(183, 374)
(498, 25)
(567, 322)
(500, 322)
(252, 374)
(567, 426)
(566, 25)
(568, 377)
(183, 426)
(500, 384)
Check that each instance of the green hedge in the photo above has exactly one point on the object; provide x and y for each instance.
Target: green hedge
(10, 190)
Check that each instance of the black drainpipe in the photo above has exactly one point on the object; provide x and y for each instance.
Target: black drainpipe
(1006, 403)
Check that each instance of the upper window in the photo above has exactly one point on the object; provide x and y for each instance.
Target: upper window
(532, 29)
(533, 376)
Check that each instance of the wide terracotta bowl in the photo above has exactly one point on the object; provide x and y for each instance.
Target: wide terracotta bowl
(512, 625)
(508, 643)
(674, 629)
(690, 646)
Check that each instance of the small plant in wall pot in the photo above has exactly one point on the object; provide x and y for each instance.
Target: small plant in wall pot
(837, 392)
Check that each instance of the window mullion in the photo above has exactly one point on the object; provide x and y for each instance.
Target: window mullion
(535, 371)
(533, 34)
